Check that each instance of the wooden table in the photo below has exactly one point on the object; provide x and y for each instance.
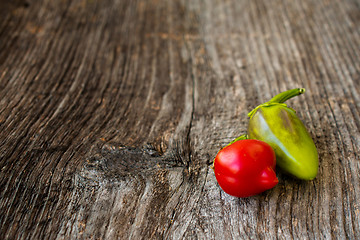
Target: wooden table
(111, 113)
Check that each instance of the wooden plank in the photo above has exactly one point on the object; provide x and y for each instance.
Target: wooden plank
(111, 113)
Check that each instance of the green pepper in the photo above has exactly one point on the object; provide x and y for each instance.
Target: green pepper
(276, 124)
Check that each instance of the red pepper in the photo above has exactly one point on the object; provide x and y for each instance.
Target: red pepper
(245, 168)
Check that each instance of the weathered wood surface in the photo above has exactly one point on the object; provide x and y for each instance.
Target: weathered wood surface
(112, 111)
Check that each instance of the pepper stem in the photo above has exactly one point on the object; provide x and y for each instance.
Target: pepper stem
(282, 97)
(279, 99)
(242, 137)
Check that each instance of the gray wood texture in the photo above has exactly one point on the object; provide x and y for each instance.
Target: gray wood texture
(112, 111)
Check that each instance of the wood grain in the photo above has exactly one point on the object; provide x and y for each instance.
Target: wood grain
(111, 113)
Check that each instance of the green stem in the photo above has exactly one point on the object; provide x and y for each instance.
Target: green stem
(282, 97)
(279, 99)
(242, 137)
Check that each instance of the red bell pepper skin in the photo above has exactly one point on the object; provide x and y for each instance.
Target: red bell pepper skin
(245, 168)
